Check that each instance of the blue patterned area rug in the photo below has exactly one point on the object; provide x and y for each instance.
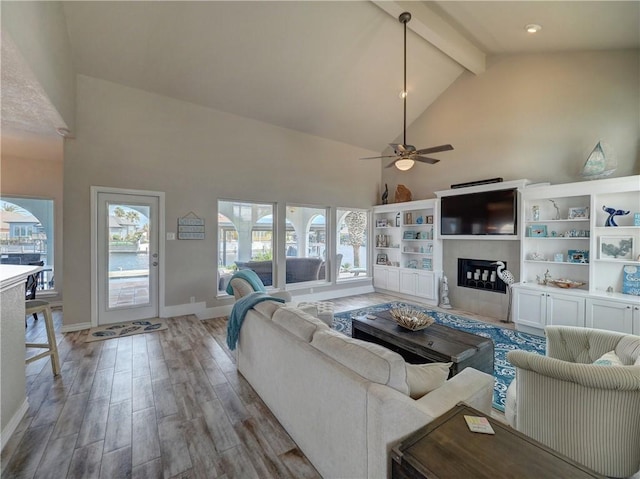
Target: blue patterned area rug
(504, 340)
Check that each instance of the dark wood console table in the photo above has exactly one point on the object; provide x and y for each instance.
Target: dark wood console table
(437, 343)
(446, 449)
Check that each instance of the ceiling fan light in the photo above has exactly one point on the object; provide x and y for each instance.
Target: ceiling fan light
(532, 28)
(404, 164)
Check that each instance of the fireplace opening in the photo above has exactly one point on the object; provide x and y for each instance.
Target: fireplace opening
(480, 274)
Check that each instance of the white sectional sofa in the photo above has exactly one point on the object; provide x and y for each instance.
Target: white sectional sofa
(344, 402)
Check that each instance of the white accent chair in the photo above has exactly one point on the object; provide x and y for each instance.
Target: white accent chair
(590, 413)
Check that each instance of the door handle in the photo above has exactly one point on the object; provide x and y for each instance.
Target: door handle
(155, 263)
(154, 255)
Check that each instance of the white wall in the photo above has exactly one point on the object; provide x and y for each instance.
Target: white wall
(534, 116)
(32, 168)
(39, 30)
(127, 138)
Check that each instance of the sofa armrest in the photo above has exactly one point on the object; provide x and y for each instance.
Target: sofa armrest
(470, 386)
(286, 295)
(623, 378)
(392, 416)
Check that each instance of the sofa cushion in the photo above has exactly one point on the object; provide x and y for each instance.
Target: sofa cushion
(371, 361)
(268, 308)
(609, 359)
(424, 378)
(298, 322)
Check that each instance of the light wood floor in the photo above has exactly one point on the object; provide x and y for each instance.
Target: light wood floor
(166, 404)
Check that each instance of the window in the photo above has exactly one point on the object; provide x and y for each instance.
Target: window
(245, 240)
(352, 228)
(26, 234)
(306, 244)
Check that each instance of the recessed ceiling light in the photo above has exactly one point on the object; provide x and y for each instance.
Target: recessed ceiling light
(63, 132)
(533, 28)
(402, 94)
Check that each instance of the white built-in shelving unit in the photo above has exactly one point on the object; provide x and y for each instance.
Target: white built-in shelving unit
(562, 237)
(407, 252)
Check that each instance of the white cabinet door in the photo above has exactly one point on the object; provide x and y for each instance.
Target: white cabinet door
(425, 286)
(529, 308)
(380, 277)
(408, 282)
(636, 320)
(610, 315)
(393, 283)
(565, 310)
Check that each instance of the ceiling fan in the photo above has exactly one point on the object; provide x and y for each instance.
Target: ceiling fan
(406, 155)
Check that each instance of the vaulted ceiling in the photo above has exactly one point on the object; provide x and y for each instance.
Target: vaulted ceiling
(331, 69)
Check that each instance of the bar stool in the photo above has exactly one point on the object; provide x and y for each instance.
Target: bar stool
(35, 306)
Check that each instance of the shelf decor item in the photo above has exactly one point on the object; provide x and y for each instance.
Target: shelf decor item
(578, 256)
(631, 280)
(599, 164)
(566, 283)
(381, 258)
(411, 319)
(557, 216)
(537, 231)
(612, 214)
(616, 247)
(535, 213)
(581, 212)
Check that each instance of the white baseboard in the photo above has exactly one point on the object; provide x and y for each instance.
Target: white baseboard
(182, 309)
(334, 293)
(216, 312)
(70, 328)
(13, 423)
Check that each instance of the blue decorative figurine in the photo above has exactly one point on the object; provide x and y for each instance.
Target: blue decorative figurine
(613, 212)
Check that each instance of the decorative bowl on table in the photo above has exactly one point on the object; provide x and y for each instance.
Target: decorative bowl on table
(411, 319)
(566, 283)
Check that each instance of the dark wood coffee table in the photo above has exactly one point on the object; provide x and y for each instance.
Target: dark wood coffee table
(437, 343)
(446, 449)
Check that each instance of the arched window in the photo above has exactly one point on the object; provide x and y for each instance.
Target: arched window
(27, 234)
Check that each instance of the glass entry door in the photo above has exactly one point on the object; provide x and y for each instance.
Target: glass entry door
(127, 257)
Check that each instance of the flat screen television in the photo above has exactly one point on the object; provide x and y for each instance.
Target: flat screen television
(483, 213)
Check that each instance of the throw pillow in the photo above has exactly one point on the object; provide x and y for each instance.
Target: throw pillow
(424, 378)
(608, 359)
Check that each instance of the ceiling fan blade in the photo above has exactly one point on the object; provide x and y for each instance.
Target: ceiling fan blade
(424, 159)
(434, 149)
(377, 157)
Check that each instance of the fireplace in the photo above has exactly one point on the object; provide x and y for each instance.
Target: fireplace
(480, 274)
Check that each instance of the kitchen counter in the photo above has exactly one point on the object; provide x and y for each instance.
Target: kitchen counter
(13, 396)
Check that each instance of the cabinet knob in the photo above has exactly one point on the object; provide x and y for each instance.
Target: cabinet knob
(628, 307)
(542, 294)
(637, 308)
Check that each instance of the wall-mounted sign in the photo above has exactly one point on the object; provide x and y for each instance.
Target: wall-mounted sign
(190, 227)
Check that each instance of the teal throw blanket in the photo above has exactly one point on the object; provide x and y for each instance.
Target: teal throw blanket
(239, 311)
(251, 277)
